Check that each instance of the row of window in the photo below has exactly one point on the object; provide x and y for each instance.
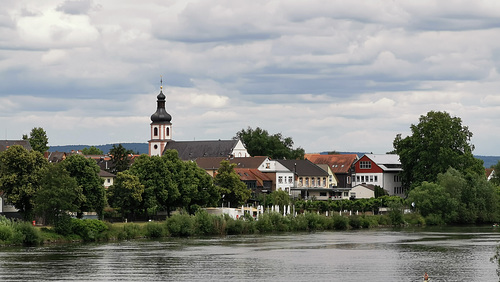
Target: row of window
(365, 165)
(367, 178)
(314, 181)
(280, 179)
(399, 190)
(155, 131)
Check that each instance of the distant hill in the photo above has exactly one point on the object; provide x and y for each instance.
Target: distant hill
(489, 160)
(138, 148)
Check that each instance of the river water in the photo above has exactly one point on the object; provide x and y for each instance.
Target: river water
(447, 254)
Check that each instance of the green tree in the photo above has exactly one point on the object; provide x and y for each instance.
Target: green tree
(496, 174)
(21, 172)
(232, 189)
(86, 173)
(126, 194)
(38, 139)
(120, 158)
(432, 200)
(59, 193)
(260, 143)
(279, 198)
(91, 151)
(160, 189)
(437, 143)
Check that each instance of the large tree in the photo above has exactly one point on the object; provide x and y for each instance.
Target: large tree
(59, 194)
(86, 173)
(260, 143)
(92, 150)
(437, 143)
(126, 194)
(21, 172)
(120, 158)
(232, 189)
(38, 139)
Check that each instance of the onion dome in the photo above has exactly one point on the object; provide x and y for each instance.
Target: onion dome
(161, 114)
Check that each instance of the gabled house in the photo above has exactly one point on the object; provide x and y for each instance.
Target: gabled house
(362, 191)
(255, 180)
(380, 170)
(342, 166)
(310, 180)
(55, 157)
(107, 177)
(490, 173)
(283, 177)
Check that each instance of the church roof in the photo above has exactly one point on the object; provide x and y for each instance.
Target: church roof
(191, 150)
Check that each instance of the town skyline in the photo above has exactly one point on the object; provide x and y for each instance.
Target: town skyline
(345, 76)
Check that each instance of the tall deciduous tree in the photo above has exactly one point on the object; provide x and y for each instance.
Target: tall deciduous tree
(120, 158)
(59, 193)
(126, 194)
(86, 173)
(437, 143)
(260, 143)
(230, 186)
(21, 172)
(38, 139)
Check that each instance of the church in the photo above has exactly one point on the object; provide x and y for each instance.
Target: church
(161, 139)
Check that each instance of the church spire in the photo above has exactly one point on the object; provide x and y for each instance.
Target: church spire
(161, 114)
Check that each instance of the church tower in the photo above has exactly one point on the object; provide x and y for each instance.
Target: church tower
(161, 127)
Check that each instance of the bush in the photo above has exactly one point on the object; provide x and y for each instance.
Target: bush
(181, 225)
(88, 229)
(434, 219)
(340, 222)
(63, 225)
(26, 234)
(355, 221)
(204, 223)
(414, 219)
(5, 233)
(154, 230)
(131, 231)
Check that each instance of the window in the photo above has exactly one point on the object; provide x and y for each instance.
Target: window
(280, 179)
(397, 178)
(300, 181)
(290, 179)
(312, 181)
(268, 165)
(168, 131)
(376, 178)
(371, 178)
(155, 131)
(307, 182)
(362, 178)
(109, 180)
(322, 194)
(357, 178)
(324, 181)
(346, 194)
(365, 165)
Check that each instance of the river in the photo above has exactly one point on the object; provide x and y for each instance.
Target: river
(447, 254)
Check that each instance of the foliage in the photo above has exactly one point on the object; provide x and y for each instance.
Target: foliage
(86, 173)
(126, 193)
(232, 189)
(26, 234)
(181, 225)
(438, 142)
(88, 229)
(120, 158)
(260, 143)
(433, 199)
(279, 198)
(21, 172)
(92, 150)
(154, 230)
(59, 193)
(496, 174)
(38, 140)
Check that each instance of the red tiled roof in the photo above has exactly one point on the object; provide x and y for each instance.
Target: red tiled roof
(338, 163)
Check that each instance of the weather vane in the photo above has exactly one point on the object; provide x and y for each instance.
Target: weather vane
(161, 81)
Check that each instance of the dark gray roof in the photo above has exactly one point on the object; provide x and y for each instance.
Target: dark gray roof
(161, 115)
(5, 144)
(191, 150)
(303, 167)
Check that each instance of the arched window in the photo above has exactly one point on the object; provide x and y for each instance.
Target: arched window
(155, 131)
(168, 131)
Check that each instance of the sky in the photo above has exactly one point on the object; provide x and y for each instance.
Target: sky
(342, 75)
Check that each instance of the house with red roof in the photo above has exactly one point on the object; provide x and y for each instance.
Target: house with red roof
(341, 165)
(380, 170)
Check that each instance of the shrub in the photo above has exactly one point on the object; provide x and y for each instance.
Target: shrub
(131, 231)
(154, 230)
(63, 225)
(299, 223)
(5, 233)
(340, 222)
(414, 219)
(355, 221)
(204, 223)
(26, 234)
(264, 224)
(434, 219)
(181, 225)
(88, 229)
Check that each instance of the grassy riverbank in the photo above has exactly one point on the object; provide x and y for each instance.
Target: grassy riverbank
(184, 225)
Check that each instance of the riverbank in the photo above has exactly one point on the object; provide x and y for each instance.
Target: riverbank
(183, 225)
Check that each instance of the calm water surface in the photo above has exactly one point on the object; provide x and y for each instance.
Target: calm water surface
(447, 254)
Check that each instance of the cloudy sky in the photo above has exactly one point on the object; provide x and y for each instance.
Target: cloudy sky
(333, 75)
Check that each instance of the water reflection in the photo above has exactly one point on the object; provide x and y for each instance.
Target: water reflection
(447, 254)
